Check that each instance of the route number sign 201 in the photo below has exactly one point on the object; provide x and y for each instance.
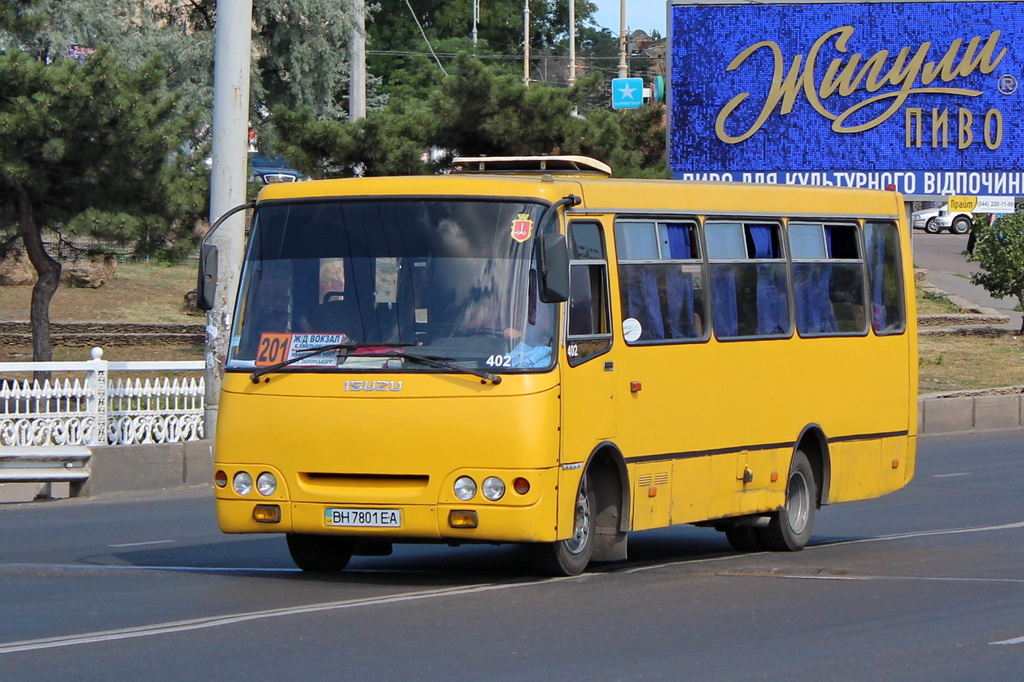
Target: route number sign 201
(273, 349)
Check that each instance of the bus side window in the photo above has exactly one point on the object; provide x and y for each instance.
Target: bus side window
(885, 278)
(661, 277)
(586, 301)
(748, 280)
(589, 325)
(828, 279)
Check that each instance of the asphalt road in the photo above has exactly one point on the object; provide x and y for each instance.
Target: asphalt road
(924, 584)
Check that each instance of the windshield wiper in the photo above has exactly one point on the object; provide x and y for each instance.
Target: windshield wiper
(347, 347)
(429, 360)
(442, 363)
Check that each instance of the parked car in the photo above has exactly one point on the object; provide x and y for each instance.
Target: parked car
(936, 218)
(264, 170)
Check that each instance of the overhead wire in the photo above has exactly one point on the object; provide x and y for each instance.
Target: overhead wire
(425, 39)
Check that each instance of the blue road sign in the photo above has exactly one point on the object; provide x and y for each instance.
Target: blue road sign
(627, 93)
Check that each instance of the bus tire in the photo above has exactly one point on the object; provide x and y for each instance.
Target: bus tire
(320, 553)
(744, 538)
(789, 529)
(571, 556)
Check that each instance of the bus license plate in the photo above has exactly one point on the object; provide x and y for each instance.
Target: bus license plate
(363, 518)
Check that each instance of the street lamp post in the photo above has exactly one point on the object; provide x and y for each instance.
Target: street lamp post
(526, 42)
(357, 66)
(572, 42)
(476, 20)
(623, 66)
(229, 168)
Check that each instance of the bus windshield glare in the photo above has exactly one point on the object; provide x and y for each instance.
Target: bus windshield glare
(450, 279)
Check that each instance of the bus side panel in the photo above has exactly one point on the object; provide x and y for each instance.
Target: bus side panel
(855, 470)
(897, 466)
(691, 495)
(697, 400)
(652, 495)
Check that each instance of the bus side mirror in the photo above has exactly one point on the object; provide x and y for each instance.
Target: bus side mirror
(553, 262)
(206, 286)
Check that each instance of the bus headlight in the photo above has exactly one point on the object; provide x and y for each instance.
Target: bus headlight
(242, 483)
(266, 484)
(465, 488)
(493, 488)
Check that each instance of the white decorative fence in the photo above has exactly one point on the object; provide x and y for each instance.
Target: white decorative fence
(93, 410)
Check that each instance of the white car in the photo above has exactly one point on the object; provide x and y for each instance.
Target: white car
(936, 219)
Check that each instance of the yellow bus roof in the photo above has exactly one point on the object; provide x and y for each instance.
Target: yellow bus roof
(611, 195)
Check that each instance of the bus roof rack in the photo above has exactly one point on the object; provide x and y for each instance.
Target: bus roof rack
(531, 165)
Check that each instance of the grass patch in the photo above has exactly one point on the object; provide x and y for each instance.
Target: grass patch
(140, 292)
(932, 302)
(957, 363)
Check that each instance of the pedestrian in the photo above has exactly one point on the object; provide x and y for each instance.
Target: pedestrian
(974, 237)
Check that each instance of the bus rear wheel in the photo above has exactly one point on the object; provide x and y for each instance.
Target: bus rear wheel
(571, 556)
(789, 529)
(320, 553)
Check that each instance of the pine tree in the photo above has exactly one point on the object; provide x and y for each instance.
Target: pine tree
(91, 148)
(477, 110)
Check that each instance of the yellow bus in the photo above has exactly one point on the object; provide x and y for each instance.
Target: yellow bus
(531, 351)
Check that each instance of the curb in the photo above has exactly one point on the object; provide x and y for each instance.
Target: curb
(997, 409)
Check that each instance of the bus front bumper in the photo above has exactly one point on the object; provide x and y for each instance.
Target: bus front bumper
(440, 522)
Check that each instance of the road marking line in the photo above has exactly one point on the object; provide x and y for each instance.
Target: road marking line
(950, 475)
(176, 569)
(926, 533)
(1015, 640)
(910, 578)
(218, 621)
(880, 538)
(231, 619)
(141, 544)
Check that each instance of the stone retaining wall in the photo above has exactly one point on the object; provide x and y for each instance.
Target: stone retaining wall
(89, 334)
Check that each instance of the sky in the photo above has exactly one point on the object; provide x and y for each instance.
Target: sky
(640, 14)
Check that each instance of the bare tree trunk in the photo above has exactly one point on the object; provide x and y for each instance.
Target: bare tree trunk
(48, 278)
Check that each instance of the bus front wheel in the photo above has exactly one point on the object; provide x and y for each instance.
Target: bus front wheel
(320, 553)
(789, 529)
(571, 556)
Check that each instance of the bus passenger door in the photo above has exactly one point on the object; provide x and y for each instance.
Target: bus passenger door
(588, 374)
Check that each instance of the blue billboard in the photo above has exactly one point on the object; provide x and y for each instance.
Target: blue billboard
(921, 95)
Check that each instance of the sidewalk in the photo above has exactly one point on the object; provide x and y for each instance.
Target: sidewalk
(941, 255)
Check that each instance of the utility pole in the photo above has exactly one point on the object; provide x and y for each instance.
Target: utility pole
(230, 160)
(357, 65)
(572, 42)
(623, 66)
(476, 20)
(526, 42)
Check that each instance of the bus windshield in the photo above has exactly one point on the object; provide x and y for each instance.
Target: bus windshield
(449, 279)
